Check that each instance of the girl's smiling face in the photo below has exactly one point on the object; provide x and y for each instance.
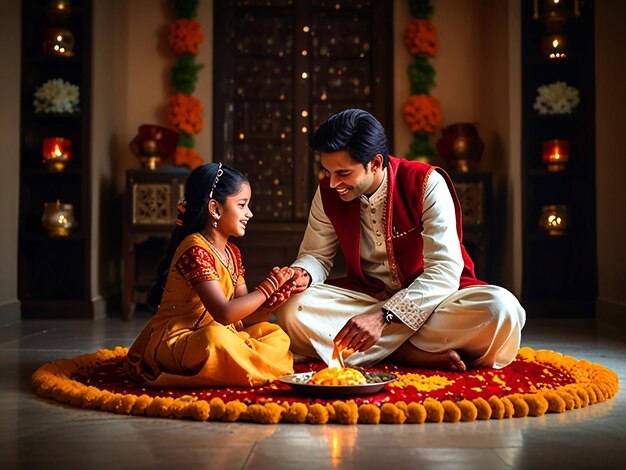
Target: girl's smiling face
(235, 213)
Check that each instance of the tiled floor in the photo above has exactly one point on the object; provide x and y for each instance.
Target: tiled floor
(35, 433)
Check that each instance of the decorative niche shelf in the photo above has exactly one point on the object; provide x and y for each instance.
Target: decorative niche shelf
(55, 271)
(559, 274)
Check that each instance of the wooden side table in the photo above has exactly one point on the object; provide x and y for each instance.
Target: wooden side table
(150, 202)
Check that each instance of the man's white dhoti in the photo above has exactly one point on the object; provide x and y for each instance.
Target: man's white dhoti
(481, 323)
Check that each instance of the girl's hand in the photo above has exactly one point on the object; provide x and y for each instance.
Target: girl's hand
(282, 274)
(276, 280)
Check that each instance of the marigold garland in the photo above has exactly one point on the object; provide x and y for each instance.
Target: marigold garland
(185, 111)
(185, 36)
(186, 156)
(422, 113)
(592, 383)
(421, 37)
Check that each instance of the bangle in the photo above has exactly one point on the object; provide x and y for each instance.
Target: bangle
(268, 286)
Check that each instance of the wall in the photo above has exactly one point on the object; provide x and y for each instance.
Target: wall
(10, 35)
(476, 81)
(144, 75)
(611, 161)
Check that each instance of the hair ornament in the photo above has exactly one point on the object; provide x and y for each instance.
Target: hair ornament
(219, 173)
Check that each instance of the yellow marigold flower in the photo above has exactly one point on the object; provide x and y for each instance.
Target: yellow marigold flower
(390, 413)
(537, 404)
(526, 354)
(415, 413)
(159, 406)
(234, 409)
(89, 397)
(483, 409)
(469, 412)
(434, 410)
(270, 413)
(369, 414)
(296, 413)
(218, 409)
(509, 409)
(452, 413)
(331, 412)
(318, 414)
(556, 404)
(199, 410)
(126, 405)
(142, 403)
(114, 401)
(498, 408)
(346, 412)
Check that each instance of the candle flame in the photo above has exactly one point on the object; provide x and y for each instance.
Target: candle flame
(57, 151)
(554, 220)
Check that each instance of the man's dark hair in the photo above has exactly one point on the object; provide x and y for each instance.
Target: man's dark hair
(356, 131)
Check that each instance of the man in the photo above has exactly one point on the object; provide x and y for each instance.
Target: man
(410, 295)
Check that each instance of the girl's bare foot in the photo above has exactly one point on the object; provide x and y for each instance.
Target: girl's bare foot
(410, 356)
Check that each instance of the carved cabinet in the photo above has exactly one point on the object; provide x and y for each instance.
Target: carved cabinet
(150, 204)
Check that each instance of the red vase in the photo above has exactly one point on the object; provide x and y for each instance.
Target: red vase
(460, 146)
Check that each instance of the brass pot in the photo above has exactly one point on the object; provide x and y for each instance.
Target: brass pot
(58, 219)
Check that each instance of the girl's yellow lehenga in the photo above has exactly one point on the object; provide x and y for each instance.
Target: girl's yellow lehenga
(183, 346)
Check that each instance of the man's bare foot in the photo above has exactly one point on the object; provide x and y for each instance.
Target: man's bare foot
(410, 356)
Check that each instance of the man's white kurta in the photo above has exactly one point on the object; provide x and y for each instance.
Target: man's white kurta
(482, 322)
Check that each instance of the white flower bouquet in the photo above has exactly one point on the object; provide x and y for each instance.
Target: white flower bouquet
(556, 98)
(56, 96)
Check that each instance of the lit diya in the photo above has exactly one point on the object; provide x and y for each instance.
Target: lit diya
(337, 380)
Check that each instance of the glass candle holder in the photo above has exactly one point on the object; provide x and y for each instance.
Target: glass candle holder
(555, 154)
(58, 41)
(57, 151)
(554, 219)
(554, 46)
(58, 218)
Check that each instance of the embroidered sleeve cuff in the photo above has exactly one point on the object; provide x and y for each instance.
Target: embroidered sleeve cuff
(406, 311)
(313, 267)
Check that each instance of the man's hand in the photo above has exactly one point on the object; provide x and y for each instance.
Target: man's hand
(299, 282)
(361, 332)
(302, 279)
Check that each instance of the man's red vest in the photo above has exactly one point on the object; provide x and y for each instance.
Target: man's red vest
(403, 215)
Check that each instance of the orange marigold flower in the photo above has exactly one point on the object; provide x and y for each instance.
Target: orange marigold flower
(185, 113)
(422, 113)
(421, 37)
(191, 158)
(185, 36)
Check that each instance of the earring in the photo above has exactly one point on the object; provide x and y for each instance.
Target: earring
(215, 223)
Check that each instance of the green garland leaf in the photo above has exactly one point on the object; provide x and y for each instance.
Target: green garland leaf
(186, 140)
(187, 9)
(185, 73)
(421, 9)
(421, 75)
(421, 146)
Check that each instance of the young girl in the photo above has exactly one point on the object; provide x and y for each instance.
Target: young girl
(197, 337)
